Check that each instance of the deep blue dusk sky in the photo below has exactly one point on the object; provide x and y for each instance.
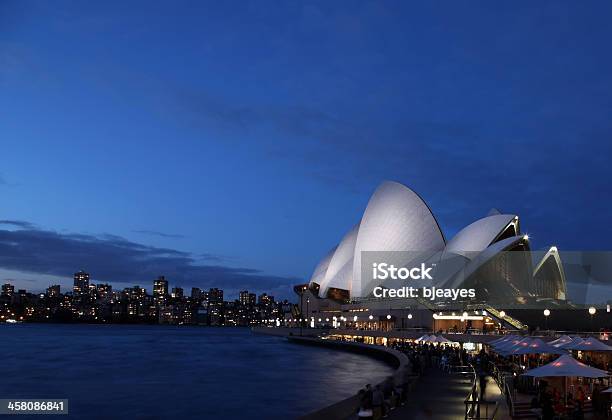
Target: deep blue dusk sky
(233, 143)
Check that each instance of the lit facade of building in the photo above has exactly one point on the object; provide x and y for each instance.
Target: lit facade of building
(54, 291)
(81, 284)
(8, 289)
(160, 289)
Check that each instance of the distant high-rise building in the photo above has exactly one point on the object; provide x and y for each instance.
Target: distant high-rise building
(252, 299)
(204, 296)
(215, 306)
(177, 292)
(196, 293)
(105, 291)
(215, 295)
(81, 283)
(137, 293)
(264, 299)
(53, 291)
(244, 298)
(8, 289)
(160, 289)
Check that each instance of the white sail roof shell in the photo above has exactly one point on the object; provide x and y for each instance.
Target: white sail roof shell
(340, 269)
(396, 219)
(319, 272)
(483, 258)
(476, 237)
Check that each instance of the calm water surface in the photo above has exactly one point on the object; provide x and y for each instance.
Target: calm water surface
(114, 371)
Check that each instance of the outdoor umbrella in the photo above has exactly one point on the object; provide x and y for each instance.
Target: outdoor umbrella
(510, 349)
(536, 346)
(566, 365)
(426, 338)
(440, 339)
(507, 347)
(508, 343)
(591, 344)
(560, 341)
(570, 346)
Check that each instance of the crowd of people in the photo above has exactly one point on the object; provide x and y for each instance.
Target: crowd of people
(376, 402)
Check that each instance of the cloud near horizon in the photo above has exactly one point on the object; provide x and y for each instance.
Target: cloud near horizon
(111, 258)
(160, 234)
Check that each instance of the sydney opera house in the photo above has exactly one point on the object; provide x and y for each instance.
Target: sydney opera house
(490, 256)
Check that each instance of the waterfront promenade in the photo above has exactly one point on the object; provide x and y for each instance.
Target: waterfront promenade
(441, 395)
(435, 394)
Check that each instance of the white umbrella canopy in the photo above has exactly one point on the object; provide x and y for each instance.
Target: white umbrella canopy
(591, 344)
(560, 341)
(536, 346)
(509, 346)
(440, 339)
(570, 346)
(426, 338)
(509, 349)
(510, 342)
(566, 366)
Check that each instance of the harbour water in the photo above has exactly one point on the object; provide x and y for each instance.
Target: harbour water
(127, 371)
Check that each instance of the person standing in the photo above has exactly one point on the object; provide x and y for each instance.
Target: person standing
(365, 406)
(378, 400)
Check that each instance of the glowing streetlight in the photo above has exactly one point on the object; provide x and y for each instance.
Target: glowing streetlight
(546, 315)
(388, 316)
(355, 318)
(409, 316)
(592, 312)
(371, 317)
(547, 312)
(502, 314)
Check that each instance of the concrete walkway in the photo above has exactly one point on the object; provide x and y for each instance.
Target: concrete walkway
(493, 393)
(438, 395)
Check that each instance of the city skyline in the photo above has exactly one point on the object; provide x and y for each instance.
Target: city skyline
(100, 303)
(144, 139)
